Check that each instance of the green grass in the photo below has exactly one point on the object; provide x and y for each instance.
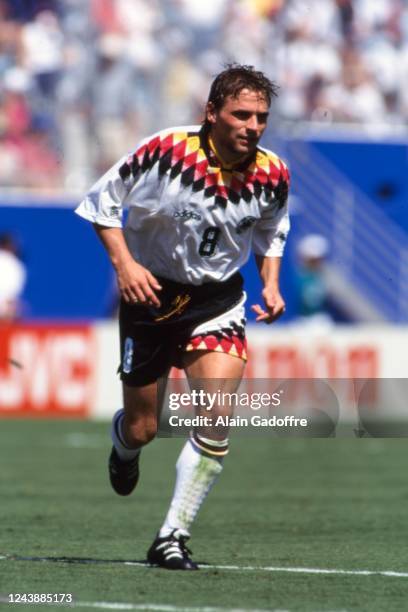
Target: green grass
(324, 503)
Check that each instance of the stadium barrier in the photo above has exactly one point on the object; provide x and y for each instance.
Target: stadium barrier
(68, 370)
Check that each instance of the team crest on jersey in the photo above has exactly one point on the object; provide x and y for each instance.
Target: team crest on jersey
(187, 155)
(115, 211)
(245, 224)
(281, 236)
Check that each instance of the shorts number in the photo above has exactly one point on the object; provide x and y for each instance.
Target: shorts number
(209, 241)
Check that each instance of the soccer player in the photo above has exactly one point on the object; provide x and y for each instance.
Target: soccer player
(199, 199)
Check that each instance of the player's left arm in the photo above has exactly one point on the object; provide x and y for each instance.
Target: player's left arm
(269, 241)
(274, 304)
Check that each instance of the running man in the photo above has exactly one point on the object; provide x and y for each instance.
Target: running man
(199, 199)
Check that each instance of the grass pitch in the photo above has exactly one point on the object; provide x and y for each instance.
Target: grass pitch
(280, 503)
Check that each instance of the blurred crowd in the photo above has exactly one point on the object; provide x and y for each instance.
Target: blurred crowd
(81, 81)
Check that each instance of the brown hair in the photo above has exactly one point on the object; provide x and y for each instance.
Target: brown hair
(235, 78)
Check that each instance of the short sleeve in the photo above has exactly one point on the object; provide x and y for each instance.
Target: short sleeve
(106, 199)
(103, 204)
(271, 231)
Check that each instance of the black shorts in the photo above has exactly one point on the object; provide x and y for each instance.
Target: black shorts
(152, 340)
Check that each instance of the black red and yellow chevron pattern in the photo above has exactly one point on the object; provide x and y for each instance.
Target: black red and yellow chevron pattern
(189, 156)
(219, 343)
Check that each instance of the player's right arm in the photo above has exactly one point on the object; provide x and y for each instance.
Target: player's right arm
(136, 283)
(103, 207)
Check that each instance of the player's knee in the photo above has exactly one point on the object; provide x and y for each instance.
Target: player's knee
(142, 431)
(149, 432)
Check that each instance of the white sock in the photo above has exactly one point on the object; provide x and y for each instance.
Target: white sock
(196, 473)
(125, 453)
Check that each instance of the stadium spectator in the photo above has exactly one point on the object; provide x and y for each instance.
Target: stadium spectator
(40, 165)
(25, 139)
(42, 48)
(26, 10)
(311, 288)
(12, 279)
(15, 110)
(199, 199)
(336, 60)
(114, 101)
(346, 16)
(355, 96)
(205, 21)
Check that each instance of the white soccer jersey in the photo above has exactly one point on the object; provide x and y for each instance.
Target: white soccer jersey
(190, 219)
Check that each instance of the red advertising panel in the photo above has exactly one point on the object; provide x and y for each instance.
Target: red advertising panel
(46, 370)
(324, 360)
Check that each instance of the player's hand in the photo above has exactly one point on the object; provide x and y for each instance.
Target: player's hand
(274, 306)
(137, 285)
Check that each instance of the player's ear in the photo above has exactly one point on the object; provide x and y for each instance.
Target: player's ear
(210, 112)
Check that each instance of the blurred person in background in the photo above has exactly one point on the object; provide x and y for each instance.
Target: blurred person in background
(12, 279)
(311, 287)
(204, 20)
(200, 198)
(26, 148)
(15, 120)
(114, 98)
(42, 48)
(26, 10)
(355, 96)
(336, 60)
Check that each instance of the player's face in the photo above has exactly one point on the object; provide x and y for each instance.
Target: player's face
(239, 124)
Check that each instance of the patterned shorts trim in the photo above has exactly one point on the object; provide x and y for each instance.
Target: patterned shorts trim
(222, 334)
(232, 346)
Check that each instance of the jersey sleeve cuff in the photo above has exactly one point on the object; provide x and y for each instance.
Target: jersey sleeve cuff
(272, 252)
(98, 219)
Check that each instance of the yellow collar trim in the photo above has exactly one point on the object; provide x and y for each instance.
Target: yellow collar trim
(224, 164)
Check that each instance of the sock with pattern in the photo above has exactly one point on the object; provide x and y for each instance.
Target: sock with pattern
(198, 466)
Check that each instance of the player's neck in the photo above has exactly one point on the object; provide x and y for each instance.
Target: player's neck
(227, 158)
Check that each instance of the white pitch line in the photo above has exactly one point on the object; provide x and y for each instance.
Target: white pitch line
(311, 570)
(105, 605)
(113, 605)
(254, 568)
(295, 570)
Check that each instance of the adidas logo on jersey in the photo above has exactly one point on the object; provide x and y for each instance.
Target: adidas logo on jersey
(187, 214)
